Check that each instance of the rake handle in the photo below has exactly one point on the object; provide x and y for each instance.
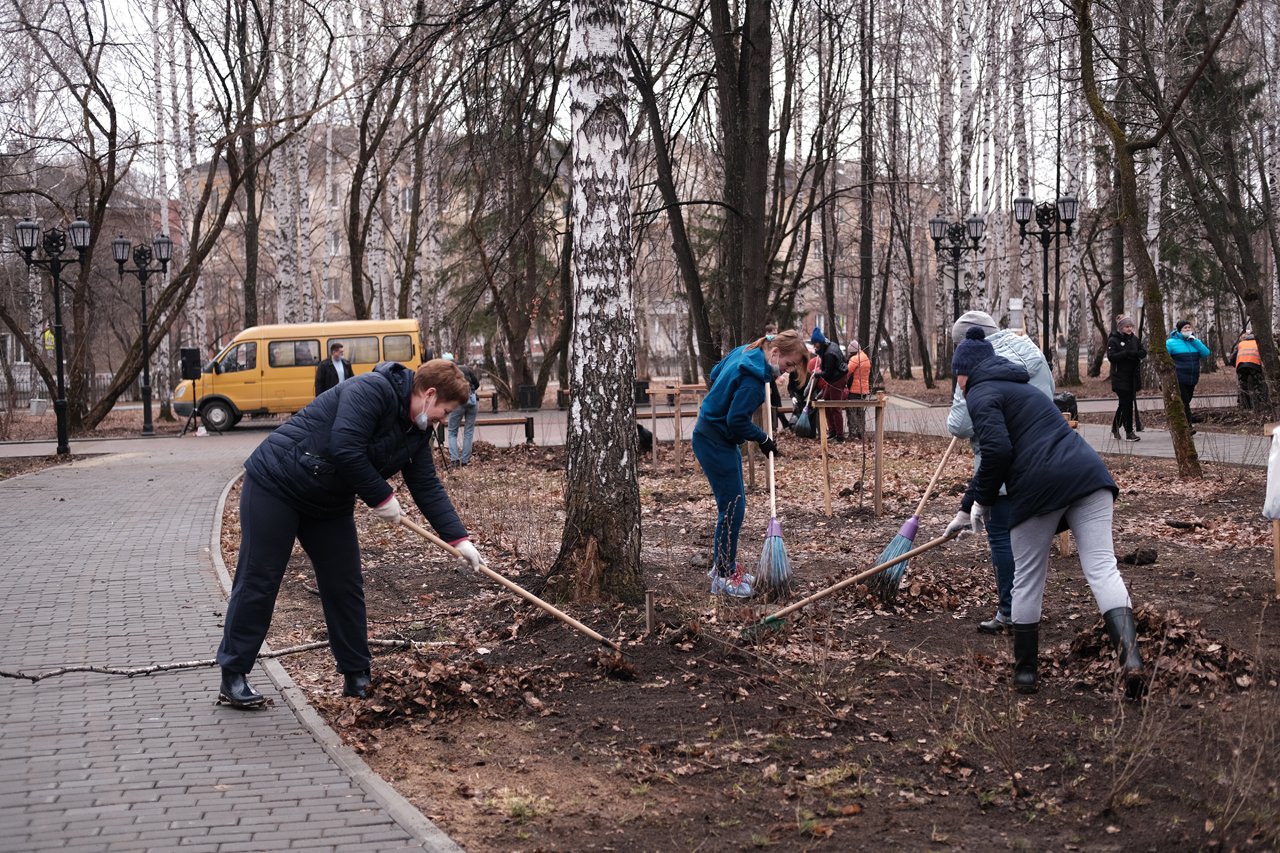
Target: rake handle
(768, 419)
(510, 585)
(858, 578)
(936, 474)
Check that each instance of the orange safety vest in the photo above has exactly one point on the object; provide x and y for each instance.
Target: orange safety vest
(859, 373)
(1247, 353)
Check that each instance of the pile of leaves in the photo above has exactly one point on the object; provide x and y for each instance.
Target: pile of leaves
(1179, 655)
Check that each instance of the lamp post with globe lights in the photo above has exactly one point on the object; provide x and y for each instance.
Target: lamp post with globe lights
(161, 249)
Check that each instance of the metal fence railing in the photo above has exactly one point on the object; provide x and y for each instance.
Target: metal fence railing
(24, 395)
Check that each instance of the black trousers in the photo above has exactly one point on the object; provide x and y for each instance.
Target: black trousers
(268, 528)
(1124, 411)
(1186, 392)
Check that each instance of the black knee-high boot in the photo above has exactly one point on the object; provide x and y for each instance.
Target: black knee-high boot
(1123, 631)
(1026, 649)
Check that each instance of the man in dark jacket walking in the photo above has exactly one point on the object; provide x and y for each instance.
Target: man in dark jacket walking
(330, 373)
(301, 483)
(1055, 481)
(1125, 352)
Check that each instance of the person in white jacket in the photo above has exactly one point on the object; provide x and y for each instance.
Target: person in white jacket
(1022, 351)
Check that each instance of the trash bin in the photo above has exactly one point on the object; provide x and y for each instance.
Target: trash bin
(1066, 402)
(642, 392)
(527, 397)
(38, 407)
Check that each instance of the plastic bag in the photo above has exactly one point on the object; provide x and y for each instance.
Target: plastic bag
(1271, 506)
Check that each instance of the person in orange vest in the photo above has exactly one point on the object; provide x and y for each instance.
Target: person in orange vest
(1248, 364)
(859, 387)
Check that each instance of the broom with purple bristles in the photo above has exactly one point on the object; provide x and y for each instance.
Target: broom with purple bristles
(885, 585)
(773, 576)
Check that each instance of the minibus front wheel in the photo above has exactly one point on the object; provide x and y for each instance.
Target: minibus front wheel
(218, 415)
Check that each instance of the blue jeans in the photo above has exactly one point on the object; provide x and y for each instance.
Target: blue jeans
(1002, 553)
(467, 410)
(722, 463)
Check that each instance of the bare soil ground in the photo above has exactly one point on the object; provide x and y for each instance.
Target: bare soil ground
(860, 725)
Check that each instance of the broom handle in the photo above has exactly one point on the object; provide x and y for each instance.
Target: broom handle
(768, 419)
(936, 474)
(928, 546)
(513, 587)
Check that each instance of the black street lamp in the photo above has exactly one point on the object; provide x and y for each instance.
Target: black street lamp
(1048, 216)
(142, 254)
(959, 237)
(54, 244)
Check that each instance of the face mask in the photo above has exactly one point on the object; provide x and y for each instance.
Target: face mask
(1188, 334)
(422, 422)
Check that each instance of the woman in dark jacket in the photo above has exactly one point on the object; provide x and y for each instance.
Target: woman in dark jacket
(1055, 481)
(1125, 352)
(301, 483)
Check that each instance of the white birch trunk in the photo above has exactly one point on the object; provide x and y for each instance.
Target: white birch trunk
(161, 358)
(602, 526)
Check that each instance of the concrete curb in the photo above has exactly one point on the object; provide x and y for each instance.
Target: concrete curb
(403, 812)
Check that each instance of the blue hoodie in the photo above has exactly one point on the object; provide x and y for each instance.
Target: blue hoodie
(737, 390)
(1186, 354)
(1027, 445)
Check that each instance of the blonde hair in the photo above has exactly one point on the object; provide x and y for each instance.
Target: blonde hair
(788, 343)
(444, 376)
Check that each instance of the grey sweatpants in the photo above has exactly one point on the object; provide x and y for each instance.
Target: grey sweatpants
(1089, 518)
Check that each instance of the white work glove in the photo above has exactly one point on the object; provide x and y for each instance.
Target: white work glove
(961, 525)
(389, 510)
(981, 515)
(470, 554)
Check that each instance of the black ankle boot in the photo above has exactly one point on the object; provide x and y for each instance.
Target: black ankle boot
(1130, 436)
(1123, 631)
(1115, 433)
(356, 684)
(236, 692)
(1026, 649)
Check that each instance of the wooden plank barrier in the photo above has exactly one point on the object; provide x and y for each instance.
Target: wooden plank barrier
(878, 403)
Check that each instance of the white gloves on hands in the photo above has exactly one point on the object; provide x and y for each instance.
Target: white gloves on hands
(389, 510)
(961, 525)
(981, 514)
(470, 554)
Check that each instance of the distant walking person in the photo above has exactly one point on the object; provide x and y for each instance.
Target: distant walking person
(833, 379)
(1125, 352)
(1186, 350)
(1248, 364)
(859, 378)
(464, 416)
(301, 485)
(333, 371)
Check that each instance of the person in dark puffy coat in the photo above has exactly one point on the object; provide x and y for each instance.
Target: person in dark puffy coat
(301, 484)
(1055, 481)
(1125, 352)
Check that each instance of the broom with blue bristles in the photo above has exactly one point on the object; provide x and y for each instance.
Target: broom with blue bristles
(773, 576)
(886, 584)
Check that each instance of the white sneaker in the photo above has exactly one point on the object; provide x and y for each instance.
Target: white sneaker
(747, 576)
(735, 585)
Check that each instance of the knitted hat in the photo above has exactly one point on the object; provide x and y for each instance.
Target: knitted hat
(1182, 324)
(971, 352)
(817, 338)
(969, 320)
(1126, 320)
(854, 348)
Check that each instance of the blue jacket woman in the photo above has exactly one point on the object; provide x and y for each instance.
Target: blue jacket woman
(1186, 350)
(738, 386)
(301, 484)
(1055, 481)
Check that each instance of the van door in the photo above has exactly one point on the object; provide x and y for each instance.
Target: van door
(289, 380)
(239, 377)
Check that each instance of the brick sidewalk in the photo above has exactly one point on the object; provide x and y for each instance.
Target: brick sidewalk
(107, 562)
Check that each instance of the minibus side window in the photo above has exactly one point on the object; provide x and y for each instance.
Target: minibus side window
(397, 348)
(240, 357)
(358, 350)
(293, 353)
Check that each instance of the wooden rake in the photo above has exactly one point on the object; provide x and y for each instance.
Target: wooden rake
(512, 586)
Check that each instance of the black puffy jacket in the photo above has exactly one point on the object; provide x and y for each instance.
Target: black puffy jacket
(347, 442)
(1125, 352)
(1027, 445)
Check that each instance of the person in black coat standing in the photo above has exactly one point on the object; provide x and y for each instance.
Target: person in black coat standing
(330, 373)
(1055, 481)
(301, 484)
(1125, 352)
